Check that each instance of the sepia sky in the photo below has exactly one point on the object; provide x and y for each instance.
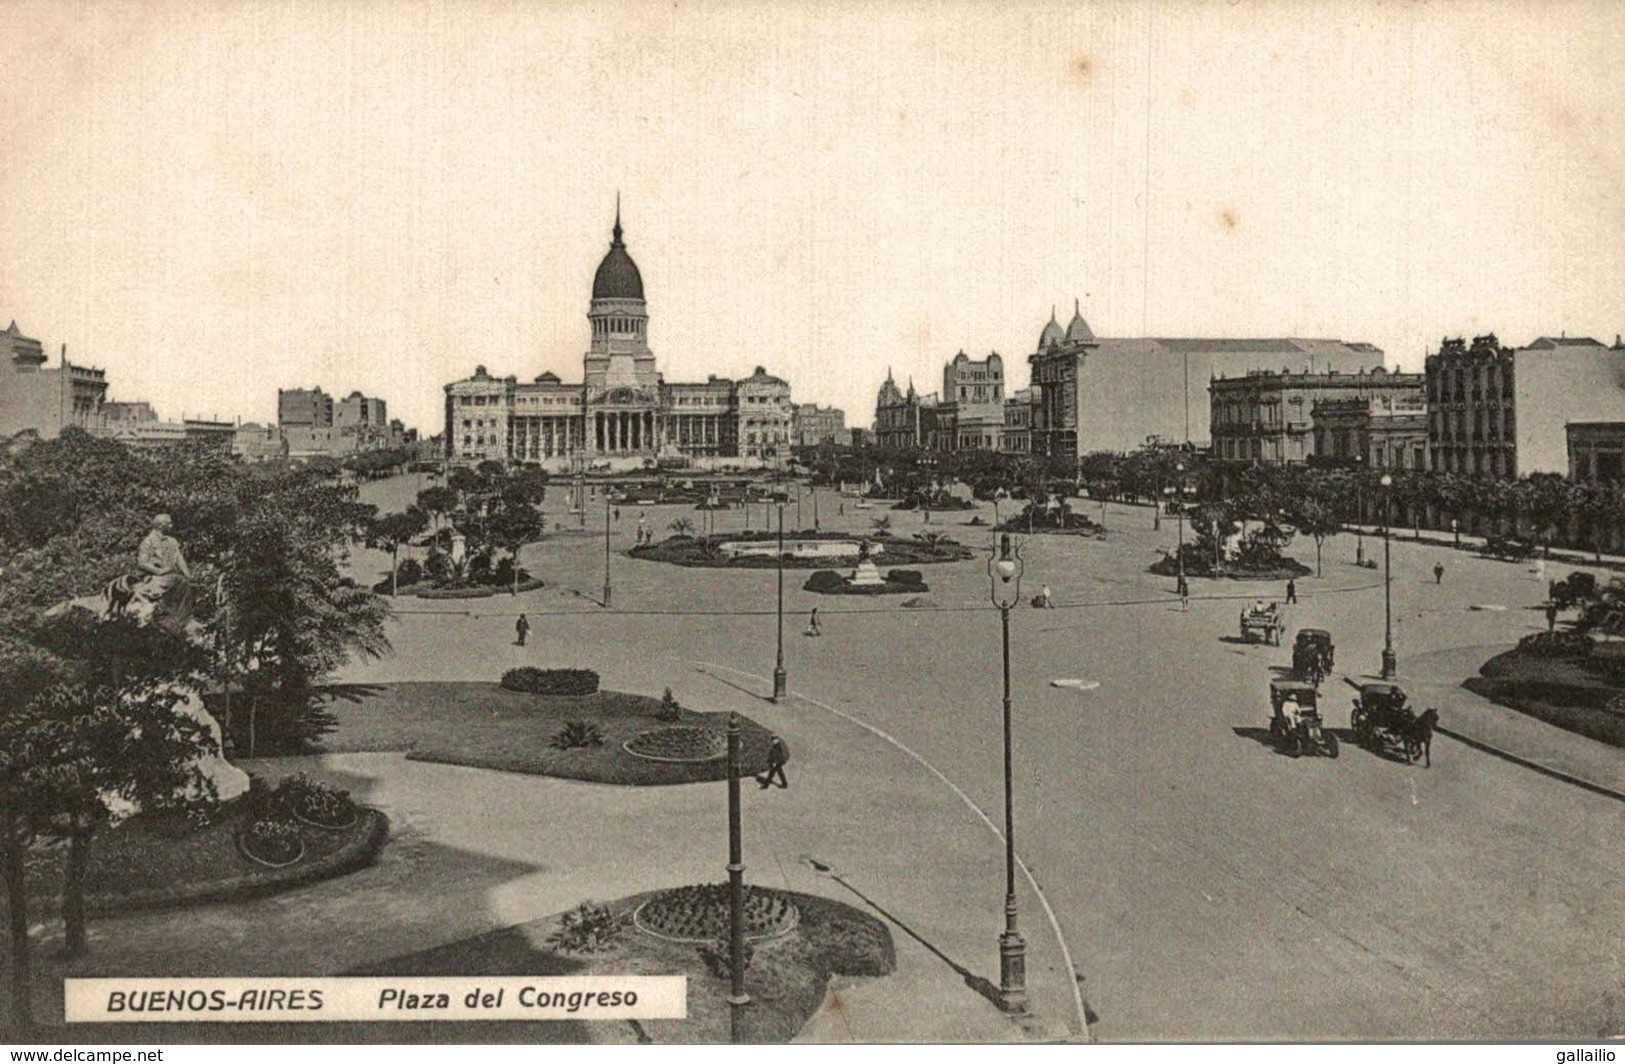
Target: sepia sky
(214, 201)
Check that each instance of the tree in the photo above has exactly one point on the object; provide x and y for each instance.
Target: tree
(74, 749)
(389, 531)
(682, 526)
(437, 502)
(511, 528)
(1315, 518)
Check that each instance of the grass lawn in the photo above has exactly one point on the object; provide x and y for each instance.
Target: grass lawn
(483, 725)
(786, 979)
(1570, 693)
(164, 860)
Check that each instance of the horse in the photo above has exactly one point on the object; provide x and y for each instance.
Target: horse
(1419, 737)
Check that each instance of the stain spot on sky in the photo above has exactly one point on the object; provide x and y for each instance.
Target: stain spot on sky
(1085, 69)
(1229, 218)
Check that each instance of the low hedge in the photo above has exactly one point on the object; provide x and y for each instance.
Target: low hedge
(824, 581)
(1568, 645)
(531, 680)
(456, 592)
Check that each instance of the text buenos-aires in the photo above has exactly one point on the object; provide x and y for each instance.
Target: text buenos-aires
(529, 997)
(266, 1000)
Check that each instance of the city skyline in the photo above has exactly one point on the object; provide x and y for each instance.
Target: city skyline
(380, 198)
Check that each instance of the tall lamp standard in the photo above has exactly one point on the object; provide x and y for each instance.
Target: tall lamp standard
(1359, 509)
(1390, 663)
(1004, 569)
(606, 548)
(779, 677)
(1180, 492)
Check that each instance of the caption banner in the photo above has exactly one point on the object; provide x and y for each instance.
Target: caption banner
(632, 997)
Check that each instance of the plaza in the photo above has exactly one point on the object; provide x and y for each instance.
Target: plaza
(1200, 885)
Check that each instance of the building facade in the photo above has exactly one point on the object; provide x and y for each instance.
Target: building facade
(1376, 433)
(1596, 451)
(1498, 411)
(904, 420)
(816, 424)
(1018, 421)
(1105, 394)
(45, 400)
(1267, 417)
(315, 424)
(624, 414)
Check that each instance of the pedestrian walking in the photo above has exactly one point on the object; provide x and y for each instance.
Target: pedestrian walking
(521, 629)
(813, 627)
(778, 755)
(1184, 597)
(1551, 616)
(1044, 598)
(1292, 591)
(842, 509)
(617, 513)
(1438, 573)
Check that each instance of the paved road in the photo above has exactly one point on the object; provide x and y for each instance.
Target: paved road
(1209, 887)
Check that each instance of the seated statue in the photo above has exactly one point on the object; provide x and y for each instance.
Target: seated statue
(161, 588)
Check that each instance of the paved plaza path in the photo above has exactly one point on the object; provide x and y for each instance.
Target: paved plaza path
(1205, 886)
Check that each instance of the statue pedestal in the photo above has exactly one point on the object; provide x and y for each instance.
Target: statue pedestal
(867, 574)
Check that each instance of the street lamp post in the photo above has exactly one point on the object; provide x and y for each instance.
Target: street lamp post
(816, 526)
(1004, 569)
(779, 677)
(737, 998)
(1359, 510)
(1390, 663)
(1180, 491)
(606, 549)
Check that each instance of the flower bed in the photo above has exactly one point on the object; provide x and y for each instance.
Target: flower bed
(316, 803)
(896, 582)
(678, 742)
(700, 913)
(702, 552)
(272, 843)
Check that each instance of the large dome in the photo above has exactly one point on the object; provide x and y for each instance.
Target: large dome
(617, 276)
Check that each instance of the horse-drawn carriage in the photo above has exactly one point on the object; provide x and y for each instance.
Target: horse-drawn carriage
(1296, 725)
(1382, 717)
(1312, 654)
(1261, 623)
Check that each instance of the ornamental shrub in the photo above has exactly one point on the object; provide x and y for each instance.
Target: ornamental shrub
(315, 801)
(532, 680)
(669, 709)
(824, 581)
(588, 928)
(576, 735)
(909, 577)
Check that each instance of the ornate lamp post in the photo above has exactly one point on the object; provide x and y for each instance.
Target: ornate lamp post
(606, 548)
(737, 998)
(816, 526)
(779, 677)
(1004, 569)
(1390, 664)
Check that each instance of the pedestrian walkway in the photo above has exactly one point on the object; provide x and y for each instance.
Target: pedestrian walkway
(1477, 720)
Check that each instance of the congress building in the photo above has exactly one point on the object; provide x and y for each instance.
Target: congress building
(623, 415)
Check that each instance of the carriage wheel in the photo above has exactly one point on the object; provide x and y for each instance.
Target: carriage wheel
(1413, 749)
(1331, 745)
(1360, 724)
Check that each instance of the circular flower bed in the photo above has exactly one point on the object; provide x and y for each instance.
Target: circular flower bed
(316, 803)
(700, 913)
(680, 742)
(272, 843)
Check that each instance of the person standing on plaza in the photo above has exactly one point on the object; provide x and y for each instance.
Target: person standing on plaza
(813, 626)
(1292, 591)
(521, 629)
(778, 755)
(1184, 596)
(1438, 572)
(1551, 616)
(1044, 598)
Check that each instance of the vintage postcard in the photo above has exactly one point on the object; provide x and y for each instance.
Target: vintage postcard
(985, 523)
